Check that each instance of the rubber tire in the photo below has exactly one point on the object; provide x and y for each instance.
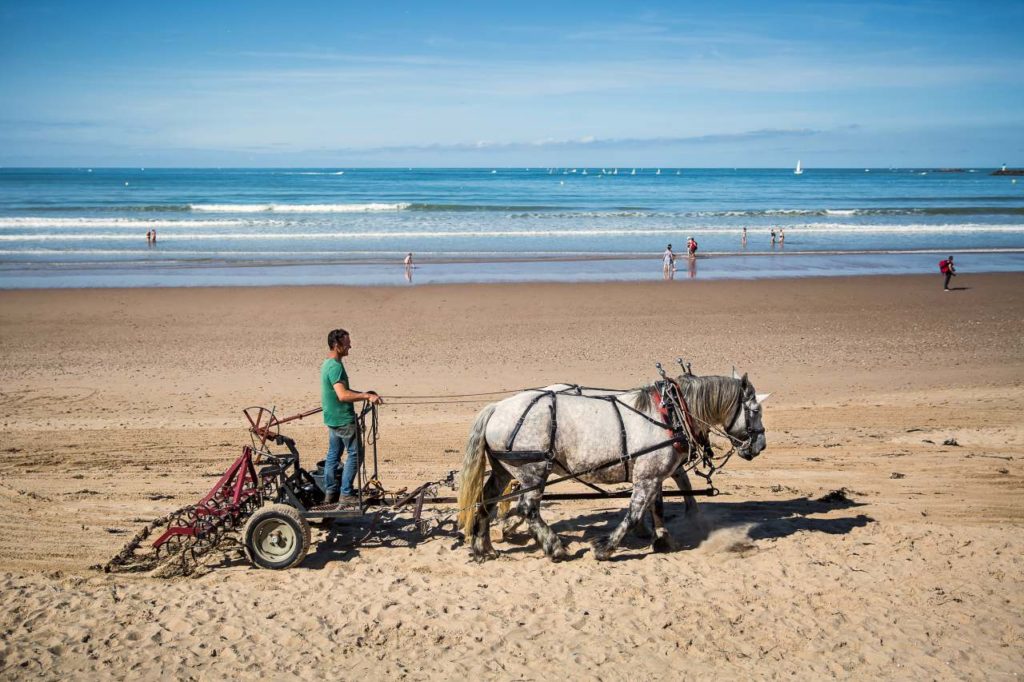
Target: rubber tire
(286, 518)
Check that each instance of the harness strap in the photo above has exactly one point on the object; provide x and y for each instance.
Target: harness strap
(687, 417)
(622, 438)
(554, 425)
(663, 409)
(520, 455)
(522, 418)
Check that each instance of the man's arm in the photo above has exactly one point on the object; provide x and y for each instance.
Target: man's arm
(347, 395)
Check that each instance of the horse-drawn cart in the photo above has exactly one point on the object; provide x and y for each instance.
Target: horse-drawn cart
(265, 501)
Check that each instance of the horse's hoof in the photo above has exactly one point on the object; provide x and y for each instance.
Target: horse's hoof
(481, 551)
(559, 554)
(482, 557)
(664, 545)
(602, 552)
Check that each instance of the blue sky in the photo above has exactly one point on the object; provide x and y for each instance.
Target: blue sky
(672, 84)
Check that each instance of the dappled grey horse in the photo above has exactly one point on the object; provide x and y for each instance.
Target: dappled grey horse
(528, 435)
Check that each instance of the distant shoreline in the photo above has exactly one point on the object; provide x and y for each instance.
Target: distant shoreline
(562, 269)
(502, 258)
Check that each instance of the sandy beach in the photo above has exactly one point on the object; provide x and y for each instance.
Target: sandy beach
(121, 405)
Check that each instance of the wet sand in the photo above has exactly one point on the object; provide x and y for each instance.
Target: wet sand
(121, 405)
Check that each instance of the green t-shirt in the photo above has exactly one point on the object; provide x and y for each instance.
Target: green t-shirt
(336, 413)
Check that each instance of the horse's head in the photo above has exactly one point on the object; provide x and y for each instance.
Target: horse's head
(746, 430)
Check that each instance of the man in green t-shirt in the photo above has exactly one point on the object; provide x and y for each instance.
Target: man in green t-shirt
(336, 398)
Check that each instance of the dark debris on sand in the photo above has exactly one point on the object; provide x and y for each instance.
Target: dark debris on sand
(836, 497)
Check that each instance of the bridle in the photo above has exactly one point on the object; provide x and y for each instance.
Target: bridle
(744, 408)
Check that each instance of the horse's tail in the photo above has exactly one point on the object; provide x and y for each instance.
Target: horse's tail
(471, 479)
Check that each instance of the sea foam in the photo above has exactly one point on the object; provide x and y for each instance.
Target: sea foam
(297, 208)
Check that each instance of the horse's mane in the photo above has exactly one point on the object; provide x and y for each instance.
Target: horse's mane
(711, 399)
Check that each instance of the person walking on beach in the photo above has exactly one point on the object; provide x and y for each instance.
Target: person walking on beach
(149, 238)
(408, 267)
(668, 262)
(336, 399)
(782, 237)
(773, 236)
(947, 269)
(691, 248)
(743, 241)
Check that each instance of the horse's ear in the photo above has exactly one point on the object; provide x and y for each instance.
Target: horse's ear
(761, 397)
(743, 382)
(735, 375)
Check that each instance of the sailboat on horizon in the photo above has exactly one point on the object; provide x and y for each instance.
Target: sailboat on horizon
(799, 170)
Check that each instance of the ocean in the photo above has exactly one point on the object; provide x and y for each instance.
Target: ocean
(85, 227)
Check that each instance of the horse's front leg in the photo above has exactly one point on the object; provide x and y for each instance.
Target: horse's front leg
(646, 528)
(644, 493)
(663, 541)
(683, 483)
(529, 508)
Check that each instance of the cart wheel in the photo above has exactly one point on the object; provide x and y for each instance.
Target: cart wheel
(276, 537)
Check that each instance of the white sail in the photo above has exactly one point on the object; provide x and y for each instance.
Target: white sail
(799, 170)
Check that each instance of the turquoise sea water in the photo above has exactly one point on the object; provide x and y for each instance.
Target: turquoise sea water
(86, 227)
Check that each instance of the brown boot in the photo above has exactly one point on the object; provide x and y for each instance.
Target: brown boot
(331, 498)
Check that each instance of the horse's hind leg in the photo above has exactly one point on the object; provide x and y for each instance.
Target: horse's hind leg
(529, 508)
(508, 513)
(480, 547)
(643, 495)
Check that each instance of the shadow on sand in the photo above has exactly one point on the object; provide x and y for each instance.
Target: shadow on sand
(761, 520)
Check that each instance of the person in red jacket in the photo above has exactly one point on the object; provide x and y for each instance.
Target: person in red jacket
(947, 269)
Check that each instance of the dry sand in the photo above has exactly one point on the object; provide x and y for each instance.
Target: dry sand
(119, 406)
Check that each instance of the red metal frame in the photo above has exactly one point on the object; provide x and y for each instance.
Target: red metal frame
(237, 486)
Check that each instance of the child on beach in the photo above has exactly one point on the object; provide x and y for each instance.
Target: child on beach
(691, 247)
(668, 262)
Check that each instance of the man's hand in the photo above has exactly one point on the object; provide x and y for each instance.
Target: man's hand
(374, 398)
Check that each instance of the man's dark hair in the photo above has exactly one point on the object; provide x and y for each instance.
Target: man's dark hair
(335, 337)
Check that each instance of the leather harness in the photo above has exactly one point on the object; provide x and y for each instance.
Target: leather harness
(679, 427)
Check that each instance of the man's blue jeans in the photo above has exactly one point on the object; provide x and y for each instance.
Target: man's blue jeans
(338, 438)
